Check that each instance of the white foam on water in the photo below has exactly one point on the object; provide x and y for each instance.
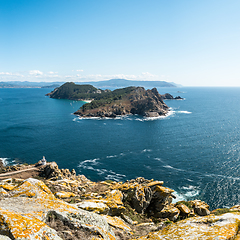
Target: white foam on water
(111, 156)
(179, 197)
(159, 159)
(114, 176)
(170, 113)
(146, 150)
(192, 193)
(91, 161)
(90, 164)
(4, 161)
(186, 112)
(186, 193)
(128, 117)
(189, 187)
(171, 167)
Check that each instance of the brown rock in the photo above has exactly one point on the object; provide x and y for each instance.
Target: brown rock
(183, 209)
(200, 208)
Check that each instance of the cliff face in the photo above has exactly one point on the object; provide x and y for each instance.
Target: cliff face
(147, 103)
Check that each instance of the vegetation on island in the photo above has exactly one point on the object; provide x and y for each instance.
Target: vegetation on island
(73, 91)
(107, 98)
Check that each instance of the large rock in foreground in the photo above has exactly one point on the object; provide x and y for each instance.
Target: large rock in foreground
(223, 227)
(24, 214)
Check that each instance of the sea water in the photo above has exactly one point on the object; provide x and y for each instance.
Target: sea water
(195, 150)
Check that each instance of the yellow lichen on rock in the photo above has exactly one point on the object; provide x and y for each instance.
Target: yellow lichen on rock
(155, 183)
(163, 190)
(3, 192)
(22, 227)
(97, 206)
(8, 187)
(116, 196)
(183, 209)
(32, 188)
(224, 227)
(63, 194)
(118, 223)
(32, 202)
(111, 204)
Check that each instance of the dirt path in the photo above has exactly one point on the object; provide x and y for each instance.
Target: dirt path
(24, 173)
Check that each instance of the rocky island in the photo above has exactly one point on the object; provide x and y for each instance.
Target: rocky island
(107, 103)
(47, 203)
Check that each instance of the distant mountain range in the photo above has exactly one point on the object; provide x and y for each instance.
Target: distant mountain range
(26, 84)
(108, 84)
(121, 83)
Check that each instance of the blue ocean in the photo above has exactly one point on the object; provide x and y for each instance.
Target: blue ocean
(195, 150)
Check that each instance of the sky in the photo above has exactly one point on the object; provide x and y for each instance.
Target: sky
(189, 42)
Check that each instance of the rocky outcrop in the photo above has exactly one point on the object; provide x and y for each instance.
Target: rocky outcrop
(1, 163)
(200, 208)
(223, 227)
(168, 96)
(24, 214)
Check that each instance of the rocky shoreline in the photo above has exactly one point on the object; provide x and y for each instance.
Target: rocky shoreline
(53, 203)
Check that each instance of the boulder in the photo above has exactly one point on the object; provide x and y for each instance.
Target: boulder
(111, 204)
(2, 237)
(169, 212)
(224, 227)
(183, 209)
(117, 222)
(113, 200)
(235, 208)
(32, 188)
(3, 192)
(201, 208)
(25, 213)
(17, 226)
(63, 194)
(153, 184)
(96, 206)
(162, 198)
(137, 193)
(141, 198)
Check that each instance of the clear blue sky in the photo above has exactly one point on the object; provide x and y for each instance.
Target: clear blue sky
(189, 42)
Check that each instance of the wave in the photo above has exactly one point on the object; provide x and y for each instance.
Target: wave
(4, 161)
(91, 161)
(171, 167)
(7, 161)
(146, 150)
(186, 112)
(112, 156)
(186, 193)
(90, 164)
